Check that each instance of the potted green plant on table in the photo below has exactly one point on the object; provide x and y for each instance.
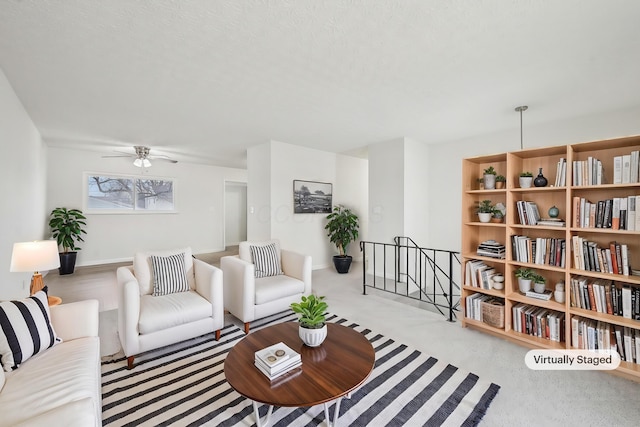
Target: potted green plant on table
(485, 210)
(525, 278)
(489, 178)
(342, 229)
(525, 179)
(313, 327)
(67, 227)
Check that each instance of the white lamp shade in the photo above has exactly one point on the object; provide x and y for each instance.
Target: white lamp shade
(137, 162)
(41, 255)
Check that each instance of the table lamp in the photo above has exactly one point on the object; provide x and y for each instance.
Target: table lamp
(41, 255)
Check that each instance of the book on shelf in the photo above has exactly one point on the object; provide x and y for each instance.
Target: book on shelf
(554, 222)
(546, 295)
(276, 360)
(491, 248)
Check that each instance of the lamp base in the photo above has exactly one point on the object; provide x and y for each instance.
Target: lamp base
(37, 284)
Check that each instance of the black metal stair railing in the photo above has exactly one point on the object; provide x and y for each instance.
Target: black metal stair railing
(423, 274)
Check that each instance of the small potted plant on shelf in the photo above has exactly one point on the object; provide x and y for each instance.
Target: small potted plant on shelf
(342, 229)
(489, 178)
(313, 328)
(525, 278)
(485, 210)
(526, 178)
(539, 283)
(501, 181)
(497, 216)
(67, 227)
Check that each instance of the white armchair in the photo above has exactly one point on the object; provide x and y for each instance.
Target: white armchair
(248, 297)
(147, 321)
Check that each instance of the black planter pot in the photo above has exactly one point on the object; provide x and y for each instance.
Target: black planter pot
(342, 263)
(67, 262)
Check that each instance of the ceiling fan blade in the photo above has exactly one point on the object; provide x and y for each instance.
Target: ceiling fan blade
(119, 155)
(163, 158)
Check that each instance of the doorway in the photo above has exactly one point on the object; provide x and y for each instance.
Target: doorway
(235, 212)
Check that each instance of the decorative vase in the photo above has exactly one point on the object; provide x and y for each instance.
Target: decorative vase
(554, 212)
(484, 217)
(525, 181)
(498, 281)
(559, 296)
(489, 181)
(524, 285)
(540, 180)
(539, 287)
(312, 337)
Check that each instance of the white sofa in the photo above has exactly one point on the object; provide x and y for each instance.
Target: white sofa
(248, 297)
(147, 322)
(60, 386)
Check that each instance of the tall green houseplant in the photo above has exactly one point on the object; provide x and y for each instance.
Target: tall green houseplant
(67, 227)
(342, 229)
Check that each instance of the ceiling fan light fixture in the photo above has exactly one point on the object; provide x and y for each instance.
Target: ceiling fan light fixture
(137, 162)
(146, 163)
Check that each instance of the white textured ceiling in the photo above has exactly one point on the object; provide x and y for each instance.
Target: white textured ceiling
(206, 79)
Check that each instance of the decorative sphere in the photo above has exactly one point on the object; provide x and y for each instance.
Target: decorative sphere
(554, 212)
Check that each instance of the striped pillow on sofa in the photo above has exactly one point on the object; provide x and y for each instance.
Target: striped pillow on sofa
(169, 274)
(25, 330)
(266, 260)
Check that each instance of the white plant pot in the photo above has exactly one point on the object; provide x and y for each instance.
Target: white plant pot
(489, 181)
(525, 181)
(312, 337)
(484, 217)
(524, 285)
(539, 287)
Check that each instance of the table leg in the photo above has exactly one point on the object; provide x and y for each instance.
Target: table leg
(336, 413)
(256, 413)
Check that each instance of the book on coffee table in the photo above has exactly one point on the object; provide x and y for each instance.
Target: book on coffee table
(277, 360)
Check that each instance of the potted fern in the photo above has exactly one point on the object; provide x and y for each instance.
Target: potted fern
(312, 310)
(67, 227)
(342, 229)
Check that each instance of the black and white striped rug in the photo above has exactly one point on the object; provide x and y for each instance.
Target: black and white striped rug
(184, 385)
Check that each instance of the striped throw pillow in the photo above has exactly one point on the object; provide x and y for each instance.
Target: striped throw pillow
(266, 260)
(25, 330)
(169, 274)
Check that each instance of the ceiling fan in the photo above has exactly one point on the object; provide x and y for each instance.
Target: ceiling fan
(142, 157)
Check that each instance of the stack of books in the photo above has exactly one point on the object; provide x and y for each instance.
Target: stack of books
(491, 248)
(277, 360)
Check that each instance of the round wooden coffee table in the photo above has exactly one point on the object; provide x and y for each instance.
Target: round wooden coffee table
(329, 372)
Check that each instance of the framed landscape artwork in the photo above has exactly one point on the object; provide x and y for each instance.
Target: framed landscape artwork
(312, 197)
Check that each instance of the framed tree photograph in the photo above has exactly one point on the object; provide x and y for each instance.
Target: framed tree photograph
(312, 197)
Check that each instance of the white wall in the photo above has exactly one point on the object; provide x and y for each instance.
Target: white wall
(417, 200)
(386, 190)
(199, 198)
(259, 192)
(23, 187)
(445, 161)
(274, 176)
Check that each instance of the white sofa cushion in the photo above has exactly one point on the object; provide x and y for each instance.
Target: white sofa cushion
(66, 373)
(143, 270)
(275, 287)
(163, 312)
(169, 275)
(25, 330)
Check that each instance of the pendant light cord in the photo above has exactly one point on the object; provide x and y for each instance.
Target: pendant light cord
(520, 109)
